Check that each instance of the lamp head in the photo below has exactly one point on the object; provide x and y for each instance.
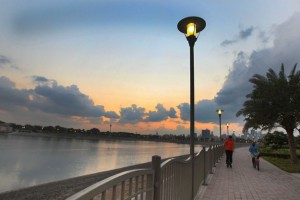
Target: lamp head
(219, 111)
(191, 27)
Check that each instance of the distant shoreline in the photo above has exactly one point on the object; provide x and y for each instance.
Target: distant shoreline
(90, 137)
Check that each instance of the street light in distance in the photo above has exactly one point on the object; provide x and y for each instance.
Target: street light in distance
(219, 111)
(227, 124)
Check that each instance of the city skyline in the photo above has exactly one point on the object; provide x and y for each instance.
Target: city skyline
(86, 64)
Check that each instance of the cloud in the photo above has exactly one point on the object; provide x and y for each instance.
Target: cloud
(50, 98)
(161, 114)
(264, 37)
(12, 98)
(6, 62)
(111, 115)
(132, 114)
(184, 111)
(231, 96)
(39, 79)
(204, 111)
(135, 114)
(6, 83)
(67, 100)
(228, 42)
(172, 113)
(94, 120)
(243, 35)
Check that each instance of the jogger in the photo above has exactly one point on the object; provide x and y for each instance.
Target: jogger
(229, 146)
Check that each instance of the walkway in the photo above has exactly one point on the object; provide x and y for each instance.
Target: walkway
(242, 181)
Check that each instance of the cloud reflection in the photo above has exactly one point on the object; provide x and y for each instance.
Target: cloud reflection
(27, 161)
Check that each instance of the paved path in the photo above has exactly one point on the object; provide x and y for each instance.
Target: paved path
(242, 181)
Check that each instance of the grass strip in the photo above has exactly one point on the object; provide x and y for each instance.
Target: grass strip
(284, 164)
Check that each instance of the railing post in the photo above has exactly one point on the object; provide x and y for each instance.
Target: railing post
(204, 168)
(156, 160)
(211, 159)
(215, 150)
(221, 151)
(218, 153)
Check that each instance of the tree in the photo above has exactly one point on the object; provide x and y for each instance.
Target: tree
(94, 131)
(277, 139)
(274, 102)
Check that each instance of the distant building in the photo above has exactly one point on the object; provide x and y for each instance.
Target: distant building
(212, 135)
(206, 134)
(25, 129)
(5, 128)
(224, 136)
(233, 135)
(253, 135)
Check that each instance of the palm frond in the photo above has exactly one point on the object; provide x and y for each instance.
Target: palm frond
(293, 70)
(271, 75)
(282, 75)
(273, 100)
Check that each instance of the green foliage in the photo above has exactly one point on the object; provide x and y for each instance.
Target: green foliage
(266, 149)
(269, 149)
(298, 140)
(276, 139)
(274, 101)
(284, 164)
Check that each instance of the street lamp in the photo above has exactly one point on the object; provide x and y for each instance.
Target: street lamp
(227, 128)
(219, 111)
(191, 27)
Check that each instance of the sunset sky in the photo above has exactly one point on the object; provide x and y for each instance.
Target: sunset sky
(88, 63)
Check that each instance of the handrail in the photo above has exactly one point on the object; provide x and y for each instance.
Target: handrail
(174, 170)
(112, 182)
(167, 180)
(170, 160)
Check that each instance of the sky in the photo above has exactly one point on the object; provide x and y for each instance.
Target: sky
(88, 63)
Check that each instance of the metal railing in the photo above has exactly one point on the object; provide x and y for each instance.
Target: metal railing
(168, 180)
(133, 184)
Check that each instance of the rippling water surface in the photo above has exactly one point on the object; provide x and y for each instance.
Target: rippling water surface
(28, 161)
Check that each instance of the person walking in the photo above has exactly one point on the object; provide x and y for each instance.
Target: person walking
(229, 147)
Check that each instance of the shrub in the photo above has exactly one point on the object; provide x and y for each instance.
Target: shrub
(276, 139)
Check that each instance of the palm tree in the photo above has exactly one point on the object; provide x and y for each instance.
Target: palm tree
(274, 102)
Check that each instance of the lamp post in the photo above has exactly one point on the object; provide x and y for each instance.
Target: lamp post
(227, 128)
(219, 111)
(191, 27)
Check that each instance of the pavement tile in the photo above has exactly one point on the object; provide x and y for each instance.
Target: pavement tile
(242, 181)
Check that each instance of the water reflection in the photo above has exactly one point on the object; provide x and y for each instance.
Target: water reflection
(27, 161)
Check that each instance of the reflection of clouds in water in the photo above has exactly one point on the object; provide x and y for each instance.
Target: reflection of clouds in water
(106, 157)
(33, 161)
(27, 161)
(9, 176)
(135, 152)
